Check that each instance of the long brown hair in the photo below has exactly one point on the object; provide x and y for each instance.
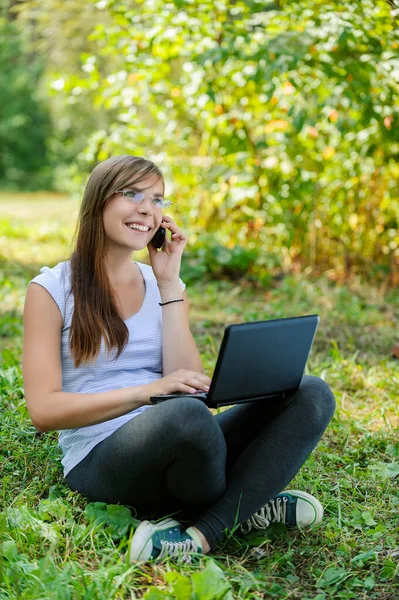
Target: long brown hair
(95, 314)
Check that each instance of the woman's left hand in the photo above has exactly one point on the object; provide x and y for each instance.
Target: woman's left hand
(166, 264)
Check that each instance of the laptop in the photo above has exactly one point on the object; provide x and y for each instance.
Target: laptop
(259, 360)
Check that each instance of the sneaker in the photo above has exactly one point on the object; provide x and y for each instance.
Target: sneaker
(292, 507)
(167, 538)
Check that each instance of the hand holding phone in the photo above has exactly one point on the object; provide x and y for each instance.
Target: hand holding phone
(166, 262)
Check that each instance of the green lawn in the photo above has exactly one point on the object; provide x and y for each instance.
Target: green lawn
(56, 546)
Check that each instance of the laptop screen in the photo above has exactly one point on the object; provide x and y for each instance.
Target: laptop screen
(262, 358)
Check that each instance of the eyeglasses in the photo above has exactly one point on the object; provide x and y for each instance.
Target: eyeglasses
(138, 197)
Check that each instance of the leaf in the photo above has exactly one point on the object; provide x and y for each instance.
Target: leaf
(96, 513)
(299, 120)
(120, 519)
(9, 550)
(332, 576)
(181, 585)
(368, 519)
(389, 570)
(117, 517)
(154, 593)
(393, 450)
(55, 492)
(385, 470)
(364, 557)
(392, 469)
(211, 583)
(369, 582)
(57, 509)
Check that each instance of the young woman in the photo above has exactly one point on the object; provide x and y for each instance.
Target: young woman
(103, 333)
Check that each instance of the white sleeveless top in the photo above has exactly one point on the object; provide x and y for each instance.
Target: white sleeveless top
(139, 363)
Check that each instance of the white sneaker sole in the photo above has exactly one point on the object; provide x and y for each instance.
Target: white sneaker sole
(140, 546)
(313, 502)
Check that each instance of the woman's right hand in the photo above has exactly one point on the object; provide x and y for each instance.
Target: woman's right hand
(180, 381)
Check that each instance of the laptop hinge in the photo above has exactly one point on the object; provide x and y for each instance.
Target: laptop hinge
(280, 395)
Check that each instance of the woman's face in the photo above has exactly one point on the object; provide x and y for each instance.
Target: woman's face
(119, 211)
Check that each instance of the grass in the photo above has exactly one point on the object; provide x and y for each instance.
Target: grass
(54, 545)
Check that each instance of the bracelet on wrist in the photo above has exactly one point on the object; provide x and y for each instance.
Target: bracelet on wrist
(170, 301)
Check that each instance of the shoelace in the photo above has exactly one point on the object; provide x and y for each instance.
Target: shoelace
(177, 549)
(274, 511)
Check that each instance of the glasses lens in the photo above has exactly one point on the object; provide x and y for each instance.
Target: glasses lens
(136, 196)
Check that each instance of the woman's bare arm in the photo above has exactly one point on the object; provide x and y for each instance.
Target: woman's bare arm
(179, 349)
(49, 407)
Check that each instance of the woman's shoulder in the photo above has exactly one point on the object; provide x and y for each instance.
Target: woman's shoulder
(56, 280)
(58, 272)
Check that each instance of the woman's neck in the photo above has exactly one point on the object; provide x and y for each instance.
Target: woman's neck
(122, 274)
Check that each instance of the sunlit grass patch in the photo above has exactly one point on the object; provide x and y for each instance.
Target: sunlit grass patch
(37, 225)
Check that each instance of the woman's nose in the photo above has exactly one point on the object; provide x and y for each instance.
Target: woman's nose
(145, 206)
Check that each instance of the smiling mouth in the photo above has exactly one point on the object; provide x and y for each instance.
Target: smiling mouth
(137, 230)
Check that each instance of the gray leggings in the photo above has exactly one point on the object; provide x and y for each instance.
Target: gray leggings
(216, 470)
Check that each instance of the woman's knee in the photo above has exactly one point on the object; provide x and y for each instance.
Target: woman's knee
(190, 420)
(317, 400)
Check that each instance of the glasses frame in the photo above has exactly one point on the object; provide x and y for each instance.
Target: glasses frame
(132, 193)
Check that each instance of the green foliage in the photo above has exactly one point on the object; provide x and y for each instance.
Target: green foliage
(217, 261)
(24, 119)
(210, 584)
(277, 125)
(117, 518)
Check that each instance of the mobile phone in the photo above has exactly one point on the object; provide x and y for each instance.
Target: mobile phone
(159, 237)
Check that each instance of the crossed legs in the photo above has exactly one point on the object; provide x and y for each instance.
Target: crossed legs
(218, 469)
